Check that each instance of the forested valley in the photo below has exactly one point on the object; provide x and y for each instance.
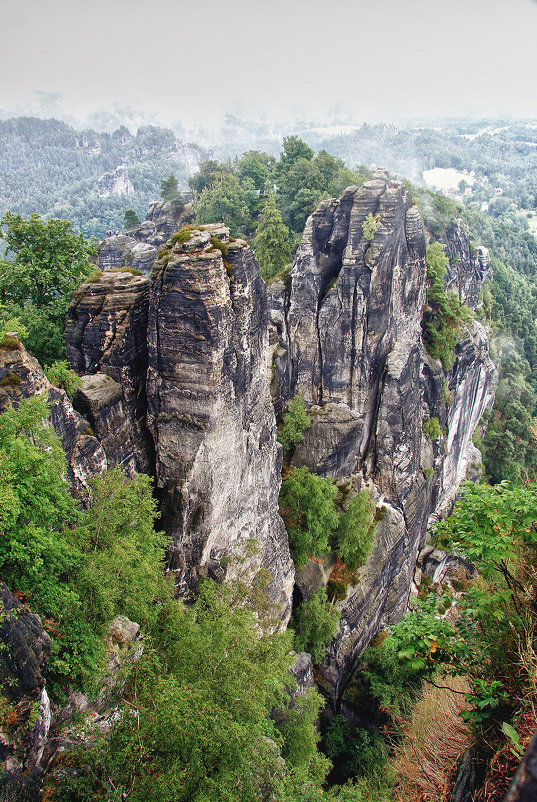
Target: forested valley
(149, 649)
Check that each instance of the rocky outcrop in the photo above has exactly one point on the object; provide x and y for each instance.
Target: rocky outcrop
(466, 270)
(139, 248)
(25, 716)
(174, 384)
(107, 345)
(210, 413)
(346, 334)
(115, 183)
(21, 376)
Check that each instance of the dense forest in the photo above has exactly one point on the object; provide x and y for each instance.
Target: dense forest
(209, 710)
(50, 169)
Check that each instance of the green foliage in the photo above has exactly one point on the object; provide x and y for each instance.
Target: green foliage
(201, 699)
(370, 226)
(357, 752)
(47, 262)
(169, 189)
(256, 166)
(315, 624)
(131, 220)
(224, 201)
(294, 149)
(356, 530)
(181, 236)
(389, 681)
(209, 171)
(295, 422)
(308, 510)
(122, 569)
(444, 315)
(271, 243)
(495, 526)
(301, 187)
(60, 375)
(431, 428)
(78, 570)
(491, 523)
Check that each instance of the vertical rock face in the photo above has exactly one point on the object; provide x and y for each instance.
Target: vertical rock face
(347, 335)
(26, 718)
(210, 412)
(174, 384)
(106, 344)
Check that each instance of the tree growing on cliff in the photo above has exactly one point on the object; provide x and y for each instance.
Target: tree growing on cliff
(308, 510)
(131, 220)
(271, 243)
(444, 315)
(169, 189)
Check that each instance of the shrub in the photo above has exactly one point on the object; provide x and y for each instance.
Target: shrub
(11, 380)
(222, 247)
(295, 423)
(180, 237)
(10, 342)
(308, 510)
(126, 269)
(370, 226)
(444, 315)
(431, 428)
(356, 530)
(315, 623)
(60, 375)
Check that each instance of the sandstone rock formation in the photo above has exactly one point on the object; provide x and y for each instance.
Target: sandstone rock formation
(346, 334)
(139, 248)
(115, 183)
(26, 715)
(106, 344)
(174, 384)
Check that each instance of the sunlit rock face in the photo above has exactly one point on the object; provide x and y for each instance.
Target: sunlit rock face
(174, 384)
(347, 328)
(210, 413)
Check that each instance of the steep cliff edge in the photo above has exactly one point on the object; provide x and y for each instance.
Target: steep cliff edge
(174, 384)
(346, 331)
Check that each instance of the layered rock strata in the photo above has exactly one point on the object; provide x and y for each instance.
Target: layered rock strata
(138, 248)
(107, 346)
(174, 384)
(26, 714)
(346, 335)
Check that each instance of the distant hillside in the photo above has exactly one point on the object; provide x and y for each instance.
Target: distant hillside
(49, 168)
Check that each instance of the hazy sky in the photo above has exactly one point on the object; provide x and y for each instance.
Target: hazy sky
(193, 61)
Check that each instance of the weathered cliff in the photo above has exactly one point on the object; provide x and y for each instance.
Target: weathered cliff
(138, 248)
(106, 344)
(210, 411)
(174, 384)
(26, 713)
(346, 329)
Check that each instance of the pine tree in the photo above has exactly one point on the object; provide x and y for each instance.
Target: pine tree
(271, 243)
(131, 220)
(169, 188)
